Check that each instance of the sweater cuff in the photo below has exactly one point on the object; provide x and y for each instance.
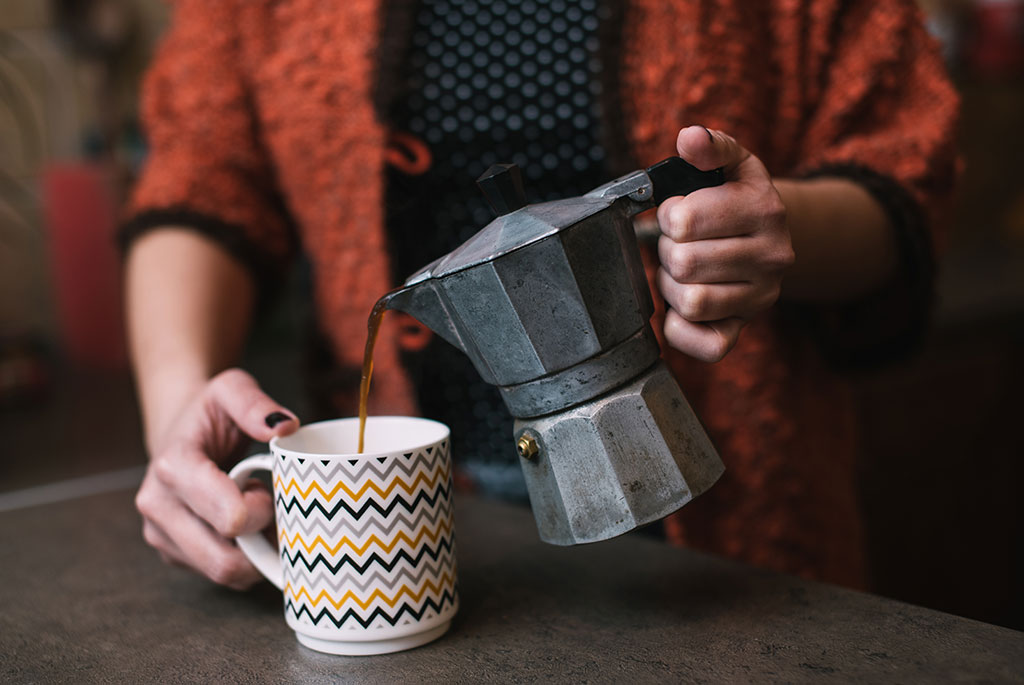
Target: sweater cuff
(890, 324)
(266, 270)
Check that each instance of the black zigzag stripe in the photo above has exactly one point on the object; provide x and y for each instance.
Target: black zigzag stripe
(424, 507)
(442, 490)
(445, 544)
(378, 612)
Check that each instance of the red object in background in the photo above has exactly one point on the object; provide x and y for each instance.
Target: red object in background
(996, 48)
(80, 215)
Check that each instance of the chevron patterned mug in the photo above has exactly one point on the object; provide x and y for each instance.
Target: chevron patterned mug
(366, 547)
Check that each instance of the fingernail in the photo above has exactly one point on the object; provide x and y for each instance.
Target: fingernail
(275, 418)
(710, 137)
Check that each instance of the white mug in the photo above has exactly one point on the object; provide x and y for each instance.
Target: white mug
(366, 544)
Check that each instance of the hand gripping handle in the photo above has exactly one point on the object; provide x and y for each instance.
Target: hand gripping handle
(253, 545)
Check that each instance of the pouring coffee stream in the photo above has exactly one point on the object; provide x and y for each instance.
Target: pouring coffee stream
(372, 330)
(551, 303)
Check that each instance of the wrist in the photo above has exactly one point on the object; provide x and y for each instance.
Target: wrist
(842, 238)
(163, 395)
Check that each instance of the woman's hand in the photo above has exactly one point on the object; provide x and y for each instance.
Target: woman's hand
(723, 250)
(190, 508)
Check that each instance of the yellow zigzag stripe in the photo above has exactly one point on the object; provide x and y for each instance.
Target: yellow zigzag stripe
(447, 581)
(285, 488)
(443, 528)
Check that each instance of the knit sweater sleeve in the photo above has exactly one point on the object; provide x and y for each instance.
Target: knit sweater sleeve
(883, 114)
(881, 98)
(207, 169)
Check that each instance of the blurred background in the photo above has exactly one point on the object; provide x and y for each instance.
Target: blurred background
(942, 453)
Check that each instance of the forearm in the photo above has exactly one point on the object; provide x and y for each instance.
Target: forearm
(188, 306)
(843, 240)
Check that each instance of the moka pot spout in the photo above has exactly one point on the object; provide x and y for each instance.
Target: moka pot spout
(420, 298)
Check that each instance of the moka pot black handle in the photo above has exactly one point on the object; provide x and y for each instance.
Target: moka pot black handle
(675, 176)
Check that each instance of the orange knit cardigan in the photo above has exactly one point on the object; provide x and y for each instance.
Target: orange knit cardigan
(263, 131)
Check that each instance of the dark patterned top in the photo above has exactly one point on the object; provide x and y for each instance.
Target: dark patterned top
(488, 81)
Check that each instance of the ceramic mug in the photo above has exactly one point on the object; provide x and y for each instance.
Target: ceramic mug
(366, 545)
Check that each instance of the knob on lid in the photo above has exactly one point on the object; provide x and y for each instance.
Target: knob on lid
(502, 185)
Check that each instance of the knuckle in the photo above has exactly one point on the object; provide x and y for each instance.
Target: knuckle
(772, 206)
(692, 302)
(718, 346)
(675, 337)
(150, 535)
(784, 257)
(663, 212)
(164, 469)
(716, 350)
(143, 504)
(233, 523)
(687, 224)
(678, 222)
(219, 381)
(145, 501)
(227, 375)
(227, 569)
(770, 211)
(227, 379)
(683, 265)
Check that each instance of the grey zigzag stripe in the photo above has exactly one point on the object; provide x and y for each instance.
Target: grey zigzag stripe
(292, 469)
(411, 542)
(351, 581)
(327, 473)
(294, 523)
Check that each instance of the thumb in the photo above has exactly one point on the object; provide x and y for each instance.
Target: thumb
(708, 149)
(260, 417)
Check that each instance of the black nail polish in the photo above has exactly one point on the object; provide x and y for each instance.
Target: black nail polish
(275, 418)
(711, 137)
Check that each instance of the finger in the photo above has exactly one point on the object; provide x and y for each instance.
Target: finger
(729, 210)
(702, 302)
(196, 545)
(252, 410)
(183, 539)
(708, 342)
(170, 553)
(709, 149)
(724, 260)
(259, 503)
(705, 261)
(159, 541)
(206, 490)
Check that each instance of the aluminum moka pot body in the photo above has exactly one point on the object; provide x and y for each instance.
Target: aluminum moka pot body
(551, 303)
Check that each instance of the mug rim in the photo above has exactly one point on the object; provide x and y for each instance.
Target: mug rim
(278, 449)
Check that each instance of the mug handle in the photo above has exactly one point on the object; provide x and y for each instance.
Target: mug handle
(253, 545)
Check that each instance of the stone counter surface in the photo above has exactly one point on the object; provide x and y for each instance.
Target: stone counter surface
(83, 600)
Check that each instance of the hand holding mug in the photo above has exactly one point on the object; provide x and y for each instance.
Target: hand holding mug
(191, 509)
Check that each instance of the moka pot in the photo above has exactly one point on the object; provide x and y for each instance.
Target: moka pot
(551, 303)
